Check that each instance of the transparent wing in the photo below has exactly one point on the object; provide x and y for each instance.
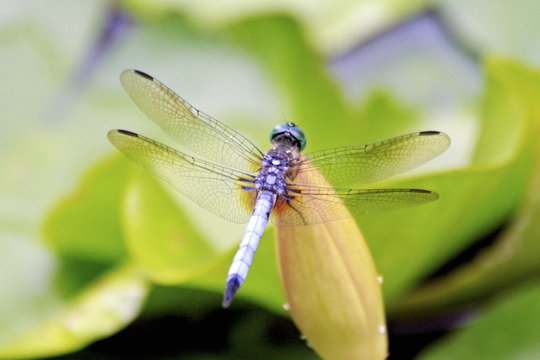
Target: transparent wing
(320, 205)
(193, 129)
(348, 166)
(215, 188)
(315, 201)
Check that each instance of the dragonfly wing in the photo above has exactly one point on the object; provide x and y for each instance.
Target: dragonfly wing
(215, 188)
(315, 201)
(193, 129)
(322, 204)
(347, 166)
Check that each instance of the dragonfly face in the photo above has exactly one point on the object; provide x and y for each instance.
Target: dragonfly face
(288, 134)
(229, 176)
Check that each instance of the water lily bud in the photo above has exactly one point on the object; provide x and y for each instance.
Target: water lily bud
(333, 289)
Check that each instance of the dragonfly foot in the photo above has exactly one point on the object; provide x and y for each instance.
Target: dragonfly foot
(233, 284)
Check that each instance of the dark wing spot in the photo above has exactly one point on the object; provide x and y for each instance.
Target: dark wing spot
(422, 133)
(144, 75)
(127, 132)
(420, 191)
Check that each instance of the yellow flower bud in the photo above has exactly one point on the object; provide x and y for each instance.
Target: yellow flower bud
(333, 289)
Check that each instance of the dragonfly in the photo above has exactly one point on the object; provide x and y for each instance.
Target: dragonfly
(232, 178)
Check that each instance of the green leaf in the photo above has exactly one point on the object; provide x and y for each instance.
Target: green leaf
(313, 98)
(106, 305)
(473, 200)
(160, 236)
(85, 224)
(509, 111)
(515, 255)
(426, 236)
(381, 116)
(507, 330)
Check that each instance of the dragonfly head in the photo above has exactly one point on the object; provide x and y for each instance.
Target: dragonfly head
(288, 134)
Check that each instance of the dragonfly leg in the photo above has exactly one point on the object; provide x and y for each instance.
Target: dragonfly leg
(247, 187)
(297, 211)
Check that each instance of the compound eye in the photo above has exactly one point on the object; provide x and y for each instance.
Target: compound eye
(299, 135)
(292, 130)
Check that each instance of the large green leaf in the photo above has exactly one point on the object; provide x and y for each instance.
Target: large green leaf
(513, 91)
(159, 236)
(381, 116)
(507, 330)
(313, 98)
(55, 324)
(421, 238)
(86, 223)
(473, 200)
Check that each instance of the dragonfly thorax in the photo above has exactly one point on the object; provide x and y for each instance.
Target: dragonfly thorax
(274, 169)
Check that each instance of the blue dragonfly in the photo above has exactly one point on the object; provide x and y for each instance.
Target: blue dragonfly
(234, 179)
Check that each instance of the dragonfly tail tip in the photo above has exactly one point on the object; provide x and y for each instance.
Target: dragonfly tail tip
(233, 284)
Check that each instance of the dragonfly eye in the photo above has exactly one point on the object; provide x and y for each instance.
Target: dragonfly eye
(288, 131)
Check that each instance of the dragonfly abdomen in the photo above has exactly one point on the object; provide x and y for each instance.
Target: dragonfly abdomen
(244, 255)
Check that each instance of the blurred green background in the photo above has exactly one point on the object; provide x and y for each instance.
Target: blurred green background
(100, 260)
